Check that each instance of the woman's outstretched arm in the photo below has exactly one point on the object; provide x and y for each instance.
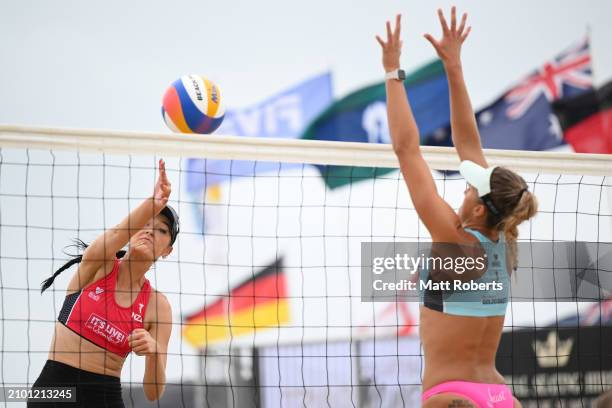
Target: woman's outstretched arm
(402, 126)
(436, 214)
(463, 122)
(101, 252)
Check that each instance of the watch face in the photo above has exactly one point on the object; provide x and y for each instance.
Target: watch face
(401, 74)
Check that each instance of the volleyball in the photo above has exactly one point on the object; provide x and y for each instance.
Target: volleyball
(192, 104)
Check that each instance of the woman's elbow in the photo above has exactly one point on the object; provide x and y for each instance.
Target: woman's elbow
(399, 149)
(405, 145)
(402, 149)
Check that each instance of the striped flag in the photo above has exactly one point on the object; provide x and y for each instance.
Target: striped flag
(362, 117)
(258, 303)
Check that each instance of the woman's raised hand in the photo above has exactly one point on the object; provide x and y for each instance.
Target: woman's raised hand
(162, 187)
(392, 48)
(449, 46)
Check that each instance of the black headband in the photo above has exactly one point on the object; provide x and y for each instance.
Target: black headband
(173, 218)
(497, 213)
(488, 201)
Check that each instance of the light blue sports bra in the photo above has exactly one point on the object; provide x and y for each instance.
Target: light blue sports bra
(479, 303)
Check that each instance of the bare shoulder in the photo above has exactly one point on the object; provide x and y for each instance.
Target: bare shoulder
(106, 268)
(159, 307)
(470, 244)
(466, 237)
(161, 300)
(85, 276)
(466, 250)
(158, 317)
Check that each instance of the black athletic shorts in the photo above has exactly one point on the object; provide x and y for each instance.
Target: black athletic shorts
(92, 390)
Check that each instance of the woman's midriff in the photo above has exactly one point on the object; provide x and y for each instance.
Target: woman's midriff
(460, 348)
(69, 348)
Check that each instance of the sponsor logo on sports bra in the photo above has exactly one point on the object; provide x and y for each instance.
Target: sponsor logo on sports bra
(105, 329)
(96, 296)
(496, 263)
(138, 316)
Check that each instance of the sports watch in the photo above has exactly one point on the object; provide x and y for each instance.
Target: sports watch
(397, 74)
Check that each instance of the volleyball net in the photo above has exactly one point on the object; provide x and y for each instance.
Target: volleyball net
(265, 278)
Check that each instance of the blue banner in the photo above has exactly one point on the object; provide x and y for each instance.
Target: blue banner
(362, 117)
(284, 115)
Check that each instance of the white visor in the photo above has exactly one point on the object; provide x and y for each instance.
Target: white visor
(476, 176)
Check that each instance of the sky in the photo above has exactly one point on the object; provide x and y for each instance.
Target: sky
(107, 64)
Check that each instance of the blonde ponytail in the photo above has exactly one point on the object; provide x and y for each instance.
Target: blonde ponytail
(526, 208)
(510, 195)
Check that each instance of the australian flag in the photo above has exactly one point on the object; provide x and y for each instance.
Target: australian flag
(522, 118)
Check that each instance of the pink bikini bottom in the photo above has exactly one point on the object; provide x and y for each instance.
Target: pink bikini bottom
(483, 395)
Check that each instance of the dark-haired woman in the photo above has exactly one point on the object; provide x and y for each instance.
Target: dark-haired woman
(111, 309)
(460, 337)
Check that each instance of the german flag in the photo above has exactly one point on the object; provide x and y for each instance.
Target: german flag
(586, 120)
(259, 302)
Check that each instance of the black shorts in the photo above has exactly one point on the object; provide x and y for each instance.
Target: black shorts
(92, 390)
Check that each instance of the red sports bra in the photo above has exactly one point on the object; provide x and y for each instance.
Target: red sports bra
(93, 314)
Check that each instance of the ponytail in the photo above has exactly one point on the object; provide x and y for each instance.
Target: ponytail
(525, 209)
(515, 203)
(79, 245)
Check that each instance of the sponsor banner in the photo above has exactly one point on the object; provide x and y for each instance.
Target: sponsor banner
(553, 367)
(105, 329)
